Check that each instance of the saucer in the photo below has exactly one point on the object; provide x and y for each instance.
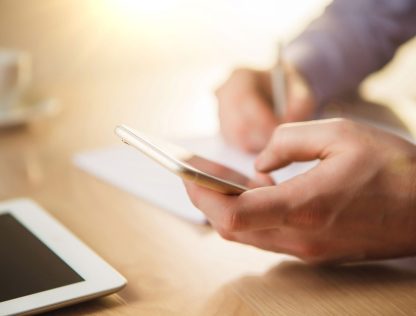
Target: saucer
(27, 111)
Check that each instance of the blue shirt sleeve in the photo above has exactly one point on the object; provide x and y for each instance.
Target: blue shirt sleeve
(352, 39)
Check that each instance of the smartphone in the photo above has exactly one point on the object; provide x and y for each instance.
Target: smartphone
(186, 164)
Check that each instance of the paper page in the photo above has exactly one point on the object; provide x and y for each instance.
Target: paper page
(128, 169)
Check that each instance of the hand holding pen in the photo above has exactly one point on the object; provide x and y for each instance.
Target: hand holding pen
(253, 102)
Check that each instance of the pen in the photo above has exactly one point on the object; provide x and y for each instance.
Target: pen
(278, 80)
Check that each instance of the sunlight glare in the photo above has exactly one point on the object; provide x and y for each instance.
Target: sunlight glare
(132, 8)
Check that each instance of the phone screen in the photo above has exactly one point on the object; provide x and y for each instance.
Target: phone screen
(220, 171)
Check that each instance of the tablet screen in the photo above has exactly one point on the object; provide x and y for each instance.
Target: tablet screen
(27, 265)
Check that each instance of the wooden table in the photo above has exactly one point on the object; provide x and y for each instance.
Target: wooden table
(173, 267)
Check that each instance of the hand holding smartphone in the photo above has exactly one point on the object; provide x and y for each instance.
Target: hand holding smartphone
(188, 165)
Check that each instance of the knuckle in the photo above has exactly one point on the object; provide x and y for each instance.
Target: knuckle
(313, 216)
(304, 219)
(233, 221)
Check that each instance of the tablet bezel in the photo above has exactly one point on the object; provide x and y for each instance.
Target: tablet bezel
(100, 278)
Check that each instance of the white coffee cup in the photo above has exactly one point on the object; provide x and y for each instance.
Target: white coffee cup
(15, 77)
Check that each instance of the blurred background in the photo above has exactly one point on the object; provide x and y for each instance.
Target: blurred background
(151, 64)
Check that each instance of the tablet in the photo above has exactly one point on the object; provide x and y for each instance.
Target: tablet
(43, 266)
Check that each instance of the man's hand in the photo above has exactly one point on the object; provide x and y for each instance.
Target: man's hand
(358, 203)
(246, 106)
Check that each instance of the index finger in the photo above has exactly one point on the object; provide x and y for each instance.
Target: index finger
(252, 210)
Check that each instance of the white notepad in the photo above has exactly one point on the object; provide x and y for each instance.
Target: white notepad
(131, 171)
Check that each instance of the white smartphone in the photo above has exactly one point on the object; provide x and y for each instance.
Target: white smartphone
(186, 164)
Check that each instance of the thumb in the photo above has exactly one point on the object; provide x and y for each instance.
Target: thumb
(298, 142)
